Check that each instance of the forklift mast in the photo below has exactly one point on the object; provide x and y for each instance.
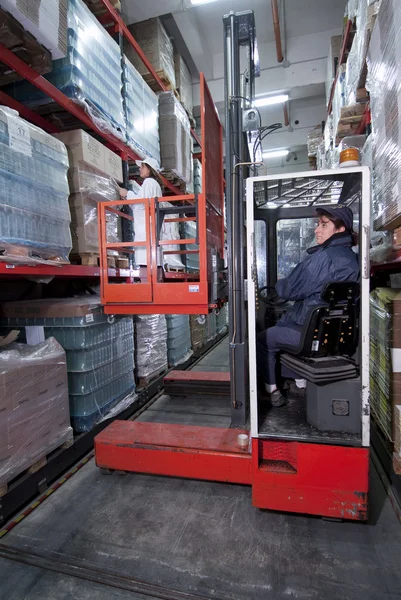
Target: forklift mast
(239, 35)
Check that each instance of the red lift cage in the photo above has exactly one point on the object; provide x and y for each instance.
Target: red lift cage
(150, 290)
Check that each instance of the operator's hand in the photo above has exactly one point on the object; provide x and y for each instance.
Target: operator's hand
(123, 193)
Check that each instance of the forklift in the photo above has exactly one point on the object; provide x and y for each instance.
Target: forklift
(311, 456)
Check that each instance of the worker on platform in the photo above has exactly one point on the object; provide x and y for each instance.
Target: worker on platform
(150, 188)
(332, 260)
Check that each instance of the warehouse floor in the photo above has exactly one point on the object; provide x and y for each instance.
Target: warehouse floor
(111, 537)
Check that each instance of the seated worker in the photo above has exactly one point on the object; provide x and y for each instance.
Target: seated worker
(331, 260)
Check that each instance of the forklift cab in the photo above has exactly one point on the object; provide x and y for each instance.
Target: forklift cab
(333, 355)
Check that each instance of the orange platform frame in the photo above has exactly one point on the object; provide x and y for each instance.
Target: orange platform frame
(184, 293)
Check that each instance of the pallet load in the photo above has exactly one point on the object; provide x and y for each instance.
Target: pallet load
(385, 352)
(93, 177)
(184, 84)
(175, 138)
(197, 176)
(14, 37)
(222, 320)
(178, 339)
(384, 72)
(100, 351)
(90, 74)
(141, 108)
(211, 326)
(332, 63)
(151, 347)
(158, 49)
(34, 212)
(34, 409)
(198, 327)
(46, 21)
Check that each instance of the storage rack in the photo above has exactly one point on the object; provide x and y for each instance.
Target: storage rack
(29, 485)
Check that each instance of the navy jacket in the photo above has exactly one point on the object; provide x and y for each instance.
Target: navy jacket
(332, 261)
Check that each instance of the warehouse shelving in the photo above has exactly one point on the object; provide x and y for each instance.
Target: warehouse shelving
(26, 72)
(341, 60)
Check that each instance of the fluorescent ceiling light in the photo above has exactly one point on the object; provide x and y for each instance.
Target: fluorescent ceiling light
(197, 2)
(269, 100)
(276, 154)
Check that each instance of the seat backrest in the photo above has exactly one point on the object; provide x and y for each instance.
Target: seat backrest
(332, 328)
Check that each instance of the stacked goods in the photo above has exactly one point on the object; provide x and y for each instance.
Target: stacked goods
(23, 45)
(100, 353)
(332, 62)
(198, 327)
(384, 72)
(222, 320)
(175, 137)
(33, 404)
(188, 232)
(141, 107)
(45, 20)
(91, 73)
(156, 45)
(151, 346)
(211, 326)
(197, 176)
(356, 70)
(178, 339)
(34, 212)
(100, 11)
(315, 137)
(93, 175)
(184, 83)
(385, 353)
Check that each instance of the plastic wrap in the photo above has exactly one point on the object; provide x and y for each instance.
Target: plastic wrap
(46, 21)
(222, 320)
(384, 73)
(197, 176)
(33, 404)
(142, 113)
(88, 188)
(198, 327)
(314, 138)
(385, 353)
(100, 355)
(211, 326)
(338, 100)
(184, 83)
(23, 45)
(151, 346)
(179, 348)
(34, 212)
(175, 137)
(156, 45)
(91, 73)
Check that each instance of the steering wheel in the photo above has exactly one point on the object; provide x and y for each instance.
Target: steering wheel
(272, 299)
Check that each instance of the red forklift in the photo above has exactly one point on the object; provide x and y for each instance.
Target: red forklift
(311, 456)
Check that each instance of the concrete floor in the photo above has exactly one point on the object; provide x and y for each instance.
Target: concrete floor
(201, 538)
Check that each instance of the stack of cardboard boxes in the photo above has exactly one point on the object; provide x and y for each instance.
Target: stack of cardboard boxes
(93, 177)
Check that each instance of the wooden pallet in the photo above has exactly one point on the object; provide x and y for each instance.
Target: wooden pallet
(176, 181)
(171, 269)
(91, 259)
(145, 381)
(36, 466)
(152, 83)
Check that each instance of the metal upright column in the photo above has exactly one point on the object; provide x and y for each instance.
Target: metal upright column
(235, 223)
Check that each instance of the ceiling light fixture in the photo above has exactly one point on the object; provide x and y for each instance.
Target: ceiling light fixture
(270, 100)
(276, 154)
(197, 2)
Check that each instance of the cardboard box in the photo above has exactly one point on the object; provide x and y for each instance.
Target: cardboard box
(52, 308)
(84, 149)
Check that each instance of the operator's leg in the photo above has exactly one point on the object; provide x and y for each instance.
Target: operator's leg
(268, 347)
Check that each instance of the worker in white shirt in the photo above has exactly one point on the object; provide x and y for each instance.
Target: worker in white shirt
(150, 188)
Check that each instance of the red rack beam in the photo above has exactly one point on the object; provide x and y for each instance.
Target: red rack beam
(28, 114)
(20, 67)
(340, 62)
(10, 270)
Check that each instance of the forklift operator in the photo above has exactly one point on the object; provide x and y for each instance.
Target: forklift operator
(332, 260)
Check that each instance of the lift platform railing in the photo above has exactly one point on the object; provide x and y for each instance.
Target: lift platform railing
(149, 289)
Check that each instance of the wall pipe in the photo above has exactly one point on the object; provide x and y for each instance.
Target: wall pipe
(277, 32)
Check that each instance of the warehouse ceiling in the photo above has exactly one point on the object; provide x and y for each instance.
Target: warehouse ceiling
(306, 27)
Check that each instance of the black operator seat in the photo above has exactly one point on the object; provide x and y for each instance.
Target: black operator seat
(329, 337)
